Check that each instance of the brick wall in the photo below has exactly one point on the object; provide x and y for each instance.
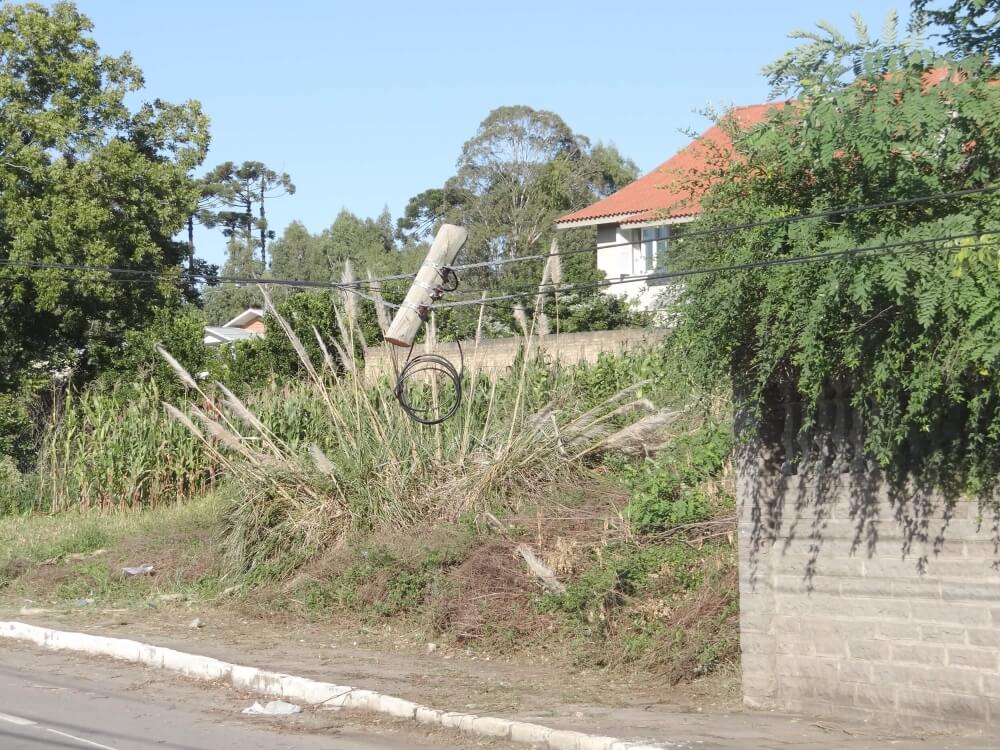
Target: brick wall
(257, 326)
(861, 600)
(496, 356)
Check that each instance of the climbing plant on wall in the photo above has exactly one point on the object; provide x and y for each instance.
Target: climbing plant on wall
(915, 328)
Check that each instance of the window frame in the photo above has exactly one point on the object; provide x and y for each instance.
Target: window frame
(650, 257)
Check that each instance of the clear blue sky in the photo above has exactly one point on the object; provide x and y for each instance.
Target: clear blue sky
(366, 104)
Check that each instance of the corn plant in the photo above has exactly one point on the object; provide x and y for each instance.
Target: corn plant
(116, 450)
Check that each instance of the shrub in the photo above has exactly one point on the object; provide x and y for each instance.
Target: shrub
(15, 426)
(668, 491)
(621, 571)
(180, 329)
(669, 607)
(18, 492)
(911, 330)
(663, 502)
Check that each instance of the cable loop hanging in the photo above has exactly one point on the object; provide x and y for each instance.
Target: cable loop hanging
(430, 365)
(446, 273)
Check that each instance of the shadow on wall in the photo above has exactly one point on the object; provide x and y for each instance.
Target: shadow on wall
(795, 483)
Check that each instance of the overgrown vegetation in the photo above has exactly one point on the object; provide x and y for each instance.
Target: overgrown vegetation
(314, 462)
(678, 486)
(18, 492)
(910, 329)
(332, 503)
(670, 607)
(116, 450)
(663, 602)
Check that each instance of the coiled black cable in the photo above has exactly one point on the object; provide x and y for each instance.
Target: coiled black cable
(449, 279)
(433, 364)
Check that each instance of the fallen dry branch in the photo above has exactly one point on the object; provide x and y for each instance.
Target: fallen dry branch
(641, 438)
(541, 571)
(695, 532)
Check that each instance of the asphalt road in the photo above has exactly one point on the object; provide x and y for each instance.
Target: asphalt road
(65, 702)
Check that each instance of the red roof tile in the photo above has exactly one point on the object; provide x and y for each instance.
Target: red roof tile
(661, 194)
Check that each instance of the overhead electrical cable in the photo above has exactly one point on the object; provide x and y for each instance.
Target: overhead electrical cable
(187, 276)
(535, 289)
(868, 252)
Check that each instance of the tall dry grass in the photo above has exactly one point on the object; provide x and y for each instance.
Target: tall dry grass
(309, 463)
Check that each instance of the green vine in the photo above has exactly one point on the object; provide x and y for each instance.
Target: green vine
(916, 331)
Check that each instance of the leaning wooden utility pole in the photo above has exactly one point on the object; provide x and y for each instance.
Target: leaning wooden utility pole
(406, 324)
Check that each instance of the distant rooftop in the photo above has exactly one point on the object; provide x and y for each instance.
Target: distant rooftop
(662, 194)
(215, 335)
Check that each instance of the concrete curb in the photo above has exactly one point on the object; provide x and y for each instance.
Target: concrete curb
(310, 692)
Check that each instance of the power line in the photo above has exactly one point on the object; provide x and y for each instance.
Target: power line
(151, 276)
(187, 276)
(894, 247)
(730, 228)
(534, 289)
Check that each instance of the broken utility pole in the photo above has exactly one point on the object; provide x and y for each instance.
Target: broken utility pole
(406, 324)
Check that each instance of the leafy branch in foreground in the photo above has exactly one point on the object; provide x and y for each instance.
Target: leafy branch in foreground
(915, 334)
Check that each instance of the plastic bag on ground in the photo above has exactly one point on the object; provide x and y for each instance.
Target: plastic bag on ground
(273, 708)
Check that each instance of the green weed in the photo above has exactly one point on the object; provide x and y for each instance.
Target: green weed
(18, 492)
(667, 490)
(622, 571)
(88, 535)
(115, 450)
(670, 608)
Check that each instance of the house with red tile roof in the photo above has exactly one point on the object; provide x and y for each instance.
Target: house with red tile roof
(635, 225)
(249, 324)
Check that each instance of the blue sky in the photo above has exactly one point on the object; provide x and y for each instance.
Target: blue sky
(366, 104)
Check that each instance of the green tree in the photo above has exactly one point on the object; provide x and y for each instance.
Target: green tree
(203, 213)
(967, 27)
(237, 190)
(293, 255)
(86, 180)
(350, 237)
(224, 302)
(519, 172)
(369, 244)
(181, 332)
(521, 169)
(247, 365)
(830, 61)
(915, 332)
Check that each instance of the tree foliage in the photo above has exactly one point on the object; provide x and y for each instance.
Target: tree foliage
(828, 60)
(917, 334)
(521, 169)
(233, 192)
(968, 27)
(86, 180)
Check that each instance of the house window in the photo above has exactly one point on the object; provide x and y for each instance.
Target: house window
(653, 247)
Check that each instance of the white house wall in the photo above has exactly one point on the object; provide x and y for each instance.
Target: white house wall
(616, 259)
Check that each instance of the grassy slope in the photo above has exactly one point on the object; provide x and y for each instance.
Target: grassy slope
(666, 605)
(66, 559)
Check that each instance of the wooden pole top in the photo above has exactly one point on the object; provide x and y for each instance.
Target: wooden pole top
(406, 323)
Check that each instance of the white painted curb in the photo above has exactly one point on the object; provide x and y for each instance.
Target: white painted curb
(310, 692)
